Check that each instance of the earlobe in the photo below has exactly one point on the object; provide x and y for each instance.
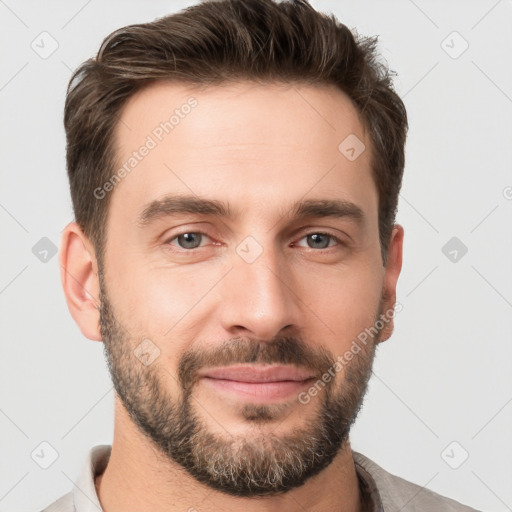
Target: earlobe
(79, 278)
(391, 273)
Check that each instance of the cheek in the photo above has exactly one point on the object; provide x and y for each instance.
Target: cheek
(163, 301)
(345, 302)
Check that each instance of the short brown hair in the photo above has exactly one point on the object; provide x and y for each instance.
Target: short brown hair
(219, 41)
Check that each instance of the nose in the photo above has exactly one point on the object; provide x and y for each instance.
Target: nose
(258, 298)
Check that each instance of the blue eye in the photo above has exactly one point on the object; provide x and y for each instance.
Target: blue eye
(189, 240)
(320, 240)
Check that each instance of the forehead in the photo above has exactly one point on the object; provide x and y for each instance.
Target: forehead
(255, 144)
(240, 111)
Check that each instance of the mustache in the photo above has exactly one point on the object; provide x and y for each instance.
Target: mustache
(282, 350)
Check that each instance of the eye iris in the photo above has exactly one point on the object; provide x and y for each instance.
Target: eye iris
(317, 237)
(193, 240)
(189, 240)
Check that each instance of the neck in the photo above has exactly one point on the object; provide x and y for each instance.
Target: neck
(139, 477)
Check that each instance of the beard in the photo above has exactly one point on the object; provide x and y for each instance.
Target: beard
(246, 466)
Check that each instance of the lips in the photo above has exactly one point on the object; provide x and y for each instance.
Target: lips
(257, 384)
(258, 374)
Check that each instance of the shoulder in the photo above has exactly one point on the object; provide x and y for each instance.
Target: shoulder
(398, 494)
(94, 465)
(63, 504)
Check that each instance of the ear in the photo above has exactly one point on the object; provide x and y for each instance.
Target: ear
(79, 277)
(391, 273)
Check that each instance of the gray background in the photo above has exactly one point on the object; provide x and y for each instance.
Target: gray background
(442, 385)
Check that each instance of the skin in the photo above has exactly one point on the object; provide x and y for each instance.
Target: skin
(261, 148)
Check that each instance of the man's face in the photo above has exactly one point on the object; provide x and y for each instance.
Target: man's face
(187, 294)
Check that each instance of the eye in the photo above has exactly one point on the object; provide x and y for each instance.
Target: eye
(192, 240)
(188, 240)
(321, 240)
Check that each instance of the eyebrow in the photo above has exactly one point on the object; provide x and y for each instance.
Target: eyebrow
(172, 205)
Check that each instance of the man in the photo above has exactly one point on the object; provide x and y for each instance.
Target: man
(235, 170)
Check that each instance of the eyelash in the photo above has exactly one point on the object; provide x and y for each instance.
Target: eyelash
(182, 250)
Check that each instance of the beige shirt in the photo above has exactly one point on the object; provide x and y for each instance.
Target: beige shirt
(383, 491)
